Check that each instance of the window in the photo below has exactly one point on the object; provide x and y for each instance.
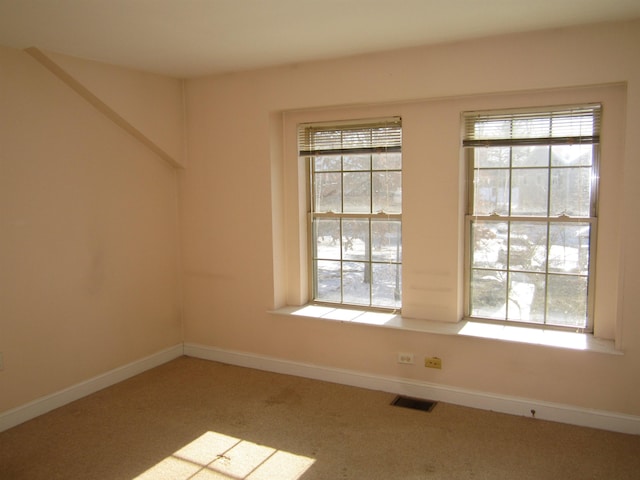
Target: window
(531, 215)
(355, 211)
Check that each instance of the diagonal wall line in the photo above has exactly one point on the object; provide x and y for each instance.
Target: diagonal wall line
(90, 97)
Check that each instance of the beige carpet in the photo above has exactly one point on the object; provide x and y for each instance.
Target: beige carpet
(194, 419)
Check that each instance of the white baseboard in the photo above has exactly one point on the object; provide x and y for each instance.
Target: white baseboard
(21, 414)
(476, 399)
(600, 419)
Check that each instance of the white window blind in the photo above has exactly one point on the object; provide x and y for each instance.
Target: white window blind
(351, 138)
(559, 126)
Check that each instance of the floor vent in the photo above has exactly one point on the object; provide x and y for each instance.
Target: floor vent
(414, 403)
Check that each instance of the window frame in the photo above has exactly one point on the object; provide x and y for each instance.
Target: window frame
(470, 145)
(306, 152)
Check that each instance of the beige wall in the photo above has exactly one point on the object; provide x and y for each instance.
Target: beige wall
(89, 276)
(153, 104)
(240, 252)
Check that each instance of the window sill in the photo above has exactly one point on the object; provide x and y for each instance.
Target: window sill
(467, 328)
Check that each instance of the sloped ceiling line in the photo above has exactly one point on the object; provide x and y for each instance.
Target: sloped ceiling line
(101, 106)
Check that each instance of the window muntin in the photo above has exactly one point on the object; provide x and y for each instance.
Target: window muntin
(355, 212)
(531, 219)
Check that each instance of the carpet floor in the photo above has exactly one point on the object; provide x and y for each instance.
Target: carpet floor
(193, 419)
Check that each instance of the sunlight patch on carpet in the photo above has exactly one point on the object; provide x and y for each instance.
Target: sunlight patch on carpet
(221, 457)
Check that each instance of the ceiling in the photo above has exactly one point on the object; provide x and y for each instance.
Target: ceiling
(189, 38)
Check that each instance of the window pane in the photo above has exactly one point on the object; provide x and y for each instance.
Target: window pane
(531, 156)
(357, 192)
(356, 283)
(567, 301)
(328, 281)
(330, 138)
(327, 239)
(380, 135)
(526, 297)
(488, 294)
(529, 189)
(356, 138)
(330, 163)
(493, 129)
(571, 192)
(574, 125)
(491, 157)
(387, 192)
(357, 162)
(489, 244)
(569, 248)
(327, 192)
(537, 127)
(355, 239)
(387, 241)
(572, 155)
(528, 246)
(387, 161)
(386, 285)
(491, 192)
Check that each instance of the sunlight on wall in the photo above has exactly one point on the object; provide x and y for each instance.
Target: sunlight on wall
(221, 457)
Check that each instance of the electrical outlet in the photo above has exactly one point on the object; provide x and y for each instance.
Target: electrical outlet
(406, 358)
(433, 362)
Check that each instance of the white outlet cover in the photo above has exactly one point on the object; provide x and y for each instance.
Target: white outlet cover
(404, 357)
